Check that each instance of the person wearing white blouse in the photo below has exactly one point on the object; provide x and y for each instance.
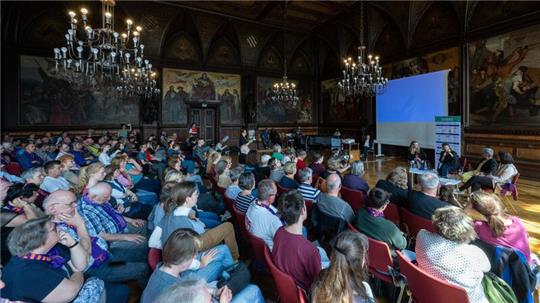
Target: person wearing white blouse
(104, 156)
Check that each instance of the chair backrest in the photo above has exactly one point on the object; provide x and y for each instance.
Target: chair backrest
(14, 168)
(321, 184)
(214, 183)
(426, 288)
(392, 213)
(355, 198)
(154, 257)
(228, 203)
(352, 228)
(285, 284)
(380, 259)
(258, 245)
(221, 190)
(309, 208)
(414, 223)
(241, 220)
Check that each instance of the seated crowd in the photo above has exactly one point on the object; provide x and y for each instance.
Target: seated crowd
(80, 215)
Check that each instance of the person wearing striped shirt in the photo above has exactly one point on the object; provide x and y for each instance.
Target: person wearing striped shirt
(305, 188)
(246, 182)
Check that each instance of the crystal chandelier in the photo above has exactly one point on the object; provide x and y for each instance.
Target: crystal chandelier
(104, 56)
(285, 91)
(363, 77)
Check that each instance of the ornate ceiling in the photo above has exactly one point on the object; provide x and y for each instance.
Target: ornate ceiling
(247, 35)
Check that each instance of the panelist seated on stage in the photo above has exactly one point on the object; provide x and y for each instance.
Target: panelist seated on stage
(449, 160)
(415, 154)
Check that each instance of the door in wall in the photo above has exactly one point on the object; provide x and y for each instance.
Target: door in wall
(206, 121)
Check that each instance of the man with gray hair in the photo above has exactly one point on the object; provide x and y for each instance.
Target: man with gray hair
(262, 219)
(308, 192)
(424, 203)
(331, 204)
(487, 166)
(127, 237)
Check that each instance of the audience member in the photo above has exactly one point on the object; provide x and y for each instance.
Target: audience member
(276, 171)
(317, 166)
(396, 184)
(251, 164)
(28, 158)
(63, 150)
(300, 159)
(69, 170)
(263, 170)
(245, 198)
(39, 269)
(355, 180)
(331, 204)
(424, 203)
(54, 180)
(448, 255)
(346, 278)
(370, 220)
(499, 228)
(287, 181)
(223, 173)
(179, 214)
(308, 192)
(234, 189)
(292, 253)
(181, 260)
(35, 175)
(104, 156)
(262, 219)
(277, 152)
(89, 176)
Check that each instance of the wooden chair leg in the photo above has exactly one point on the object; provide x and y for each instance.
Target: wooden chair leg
(507, 202)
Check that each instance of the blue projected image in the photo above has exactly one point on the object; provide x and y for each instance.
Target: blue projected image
(414, 99)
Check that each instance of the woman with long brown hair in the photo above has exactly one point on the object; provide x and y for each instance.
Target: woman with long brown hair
(344, 280)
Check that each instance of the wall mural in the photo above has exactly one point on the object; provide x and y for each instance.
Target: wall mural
(504, 75)
(436, 61)
(269, 111)
(181, 86)
(339, 108)
(49, 99)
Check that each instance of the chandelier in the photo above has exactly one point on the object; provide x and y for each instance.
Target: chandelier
(105, 57)
(362, 77)
(285, 91)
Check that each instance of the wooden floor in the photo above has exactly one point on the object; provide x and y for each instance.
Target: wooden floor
(527, 205)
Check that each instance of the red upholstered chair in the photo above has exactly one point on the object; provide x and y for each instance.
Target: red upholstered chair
(259, 246)
(352, 228)
(241, 220)
(154, 257)
(413, 223)
(285, 284)
(228, 203)
(355, 198)
(425, 288)
(214, 184)
(321, 185)
(392, 213)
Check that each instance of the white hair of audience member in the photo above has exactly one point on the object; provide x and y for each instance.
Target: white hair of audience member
(264, 160)
(102, 188)
(7, 145)
(32, 172)
(488, 151)
(333, 182)
(55, 197)
(357, 168)
(304, 174)
(191, 290)
(301, 153)
(428, 181)
(265, 189)
(277, 148)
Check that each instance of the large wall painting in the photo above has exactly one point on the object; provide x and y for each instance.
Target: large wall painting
(269, 111)
(340, 108)
(181, 86)
(47, 98)
(504, 76)
(432, 62)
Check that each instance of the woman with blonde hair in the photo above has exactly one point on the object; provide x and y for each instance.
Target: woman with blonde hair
(345, 280)
(89, 176)
(499, 228)
(174, 176)
(213, 158)
(447, 254)
(396, 184)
